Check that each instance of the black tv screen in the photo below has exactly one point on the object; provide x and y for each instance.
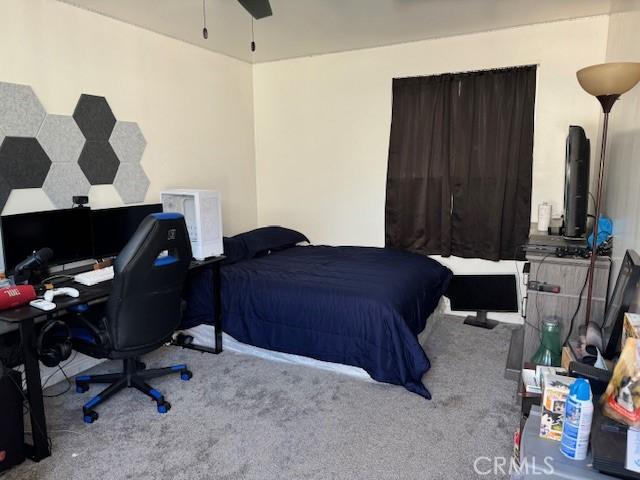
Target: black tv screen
(490, 293)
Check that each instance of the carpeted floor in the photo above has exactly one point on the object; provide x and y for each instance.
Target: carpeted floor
(241, 417)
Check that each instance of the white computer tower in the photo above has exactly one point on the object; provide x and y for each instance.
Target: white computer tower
(203, 214)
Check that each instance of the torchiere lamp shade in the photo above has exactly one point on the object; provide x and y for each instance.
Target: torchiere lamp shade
(607, 81)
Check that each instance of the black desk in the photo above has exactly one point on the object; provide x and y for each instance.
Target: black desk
(25, 317)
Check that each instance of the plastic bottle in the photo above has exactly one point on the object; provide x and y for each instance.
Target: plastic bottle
(577, 421)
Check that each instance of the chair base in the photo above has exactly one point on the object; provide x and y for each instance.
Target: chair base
(133, 375)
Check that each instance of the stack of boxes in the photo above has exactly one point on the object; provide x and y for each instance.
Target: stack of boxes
(555, 390)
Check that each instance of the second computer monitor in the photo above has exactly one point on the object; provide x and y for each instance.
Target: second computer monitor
(113, 227)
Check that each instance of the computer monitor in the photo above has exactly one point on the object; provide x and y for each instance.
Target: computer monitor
(483, 293)
(67, 232)
(625, 298)
(113, 227)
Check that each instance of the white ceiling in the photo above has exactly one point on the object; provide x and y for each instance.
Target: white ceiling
(310, 27)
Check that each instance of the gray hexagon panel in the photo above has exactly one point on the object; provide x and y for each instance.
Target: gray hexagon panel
(21, 113)
(128, 141)
(131, 182)
(61, 138)
(94, 117)
(5, 191)
(98, 162)
(65, 180)
(23, 162)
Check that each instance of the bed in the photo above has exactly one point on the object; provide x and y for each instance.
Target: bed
(359, 306)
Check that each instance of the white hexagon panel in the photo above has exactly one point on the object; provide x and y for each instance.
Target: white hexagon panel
(21, 113)
(131, 182)
(61, 138)
(64, 181)
(128, 142)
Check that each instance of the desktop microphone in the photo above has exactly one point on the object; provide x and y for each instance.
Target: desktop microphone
(37, 259)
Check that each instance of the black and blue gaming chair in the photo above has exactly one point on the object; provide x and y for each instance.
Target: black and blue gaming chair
(142, 312)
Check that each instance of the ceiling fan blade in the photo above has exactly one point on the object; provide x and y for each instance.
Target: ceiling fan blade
(257, 8)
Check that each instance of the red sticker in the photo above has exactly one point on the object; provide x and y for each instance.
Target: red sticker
(3, 455)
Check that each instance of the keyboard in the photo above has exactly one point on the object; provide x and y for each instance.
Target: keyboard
(93, 277)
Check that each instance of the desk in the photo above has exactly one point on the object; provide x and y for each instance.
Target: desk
(25, 317)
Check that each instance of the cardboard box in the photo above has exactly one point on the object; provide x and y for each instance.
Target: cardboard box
(555, 390)
(567, 357)
(631, 327)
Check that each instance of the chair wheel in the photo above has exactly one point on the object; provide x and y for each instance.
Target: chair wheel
(164, 407)
(90, 416)
(186, 375)
(141, 365)
(82, 387)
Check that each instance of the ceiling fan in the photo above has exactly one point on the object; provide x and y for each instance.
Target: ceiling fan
(257, 9)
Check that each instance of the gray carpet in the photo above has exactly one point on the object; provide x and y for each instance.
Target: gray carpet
(242, 417)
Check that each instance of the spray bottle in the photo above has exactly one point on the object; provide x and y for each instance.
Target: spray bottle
(577, 420)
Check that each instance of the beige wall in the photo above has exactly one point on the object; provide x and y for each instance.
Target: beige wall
(322, 123)
(194, 107)
(622, 197)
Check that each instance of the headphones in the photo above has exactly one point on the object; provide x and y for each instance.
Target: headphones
(53, 349)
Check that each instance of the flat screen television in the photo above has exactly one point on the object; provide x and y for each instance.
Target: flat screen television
(482, 294)
(576, 184)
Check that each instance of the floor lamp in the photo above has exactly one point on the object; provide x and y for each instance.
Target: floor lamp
(606, 82)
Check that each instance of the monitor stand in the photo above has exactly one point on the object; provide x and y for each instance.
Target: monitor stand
(480, 320)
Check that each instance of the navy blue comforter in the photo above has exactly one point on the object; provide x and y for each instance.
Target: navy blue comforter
(353, 305)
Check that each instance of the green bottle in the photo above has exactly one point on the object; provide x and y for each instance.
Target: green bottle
(550, 350)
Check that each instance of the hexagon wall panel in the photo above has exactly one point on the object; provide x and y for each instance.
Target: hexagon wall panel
(65, 155)
(98, 162)
(63, 182)
(5, 191)
(94, 117)
(21, 113)
(131, 182)
(61, 138)
(23, 162)
(128, 142)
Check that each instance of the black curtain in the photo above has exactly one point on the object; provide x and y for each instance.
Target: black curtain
(460, 157)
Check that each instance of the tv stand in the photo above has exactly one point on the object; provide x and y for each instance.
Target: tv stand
(570, 274)
(480, 320)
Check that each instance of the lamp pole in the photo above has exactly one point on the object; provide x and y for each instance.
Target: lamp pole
(606, 82)
(594, 245)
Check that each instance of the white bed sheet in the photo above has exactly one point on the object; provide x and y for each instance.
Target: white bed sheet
(205, 335)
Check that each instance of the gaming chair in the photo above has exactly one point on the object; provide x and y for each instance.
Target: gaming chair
(143, 311)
